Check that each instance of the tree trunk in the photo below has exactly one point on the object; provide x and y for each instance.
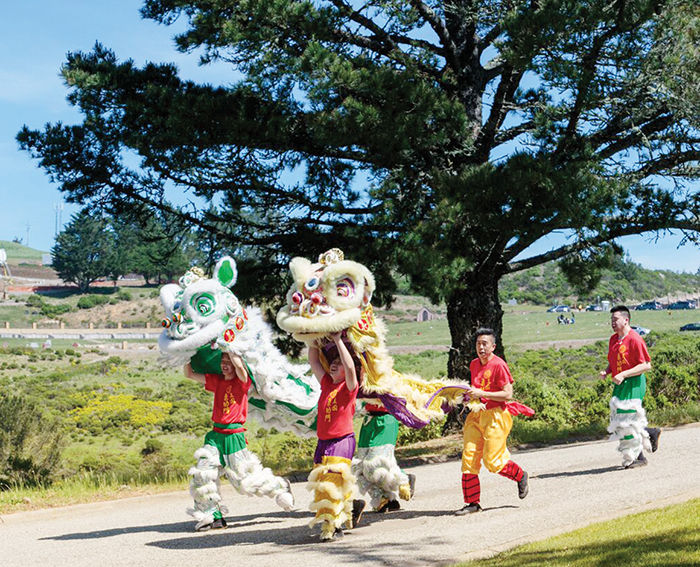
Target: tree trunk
(472, 306)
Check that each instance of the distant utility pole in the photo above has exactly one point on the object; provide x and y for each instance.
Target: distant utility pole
(58, 207)
(28, 227)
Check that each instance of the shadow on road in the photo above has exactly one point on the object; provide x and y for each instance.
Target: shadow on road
(577, 473)
(181, 527)
(354, 547)
(273, 528)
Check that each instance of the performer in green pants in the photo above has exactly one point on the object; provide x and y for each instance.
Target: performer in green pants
(628, 360)
(374, 464)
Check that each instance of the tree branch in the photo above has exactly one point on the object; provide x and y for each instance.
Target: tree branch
(506, 135)
(664, 163)
(504, 94)
(440, 29)
(628, 230)
(637, 134)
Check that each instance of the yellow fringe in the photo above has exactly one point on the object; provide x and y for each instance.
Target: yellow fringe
(334, 485)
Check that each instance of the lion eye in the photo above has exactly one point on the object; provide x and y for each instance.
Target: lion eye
(203, 304)
(345, 288)
(312, 284)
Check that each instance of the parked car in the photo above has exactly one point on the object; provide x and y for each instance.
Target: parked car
(594, 308)
(641, 331)
(682, 305)
(558, 309)
(691, 327)
(647, 305)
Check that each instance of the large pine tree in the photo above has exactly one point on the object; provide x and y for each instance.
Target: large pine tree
(438, 138)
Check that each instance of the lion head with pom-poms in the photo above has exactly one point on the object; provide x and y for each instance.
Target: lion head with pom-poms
(204, 318)
(334, 295)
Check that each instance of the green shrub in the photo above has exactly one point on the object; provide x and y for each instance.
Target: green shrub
(152, 445)
(408, 435)
(675, 376)
(30, 444)
(88, 301)
(49, 310)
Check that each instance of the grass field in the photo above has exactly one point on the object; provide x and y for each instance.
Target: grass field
(531, 326)
(658, 538)
(17, 253)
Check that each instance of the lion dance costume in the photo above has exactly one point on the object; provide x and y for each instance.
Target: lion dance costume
(204, 318)
(333, 295)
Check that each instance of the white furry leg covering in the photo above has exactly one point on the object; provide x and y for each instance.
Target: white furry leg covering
(247, 475)
(378, 473)
(204, 486)
(627, 424)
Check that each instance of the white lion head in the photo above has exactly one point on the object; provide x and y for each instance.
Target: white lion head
(200, 310)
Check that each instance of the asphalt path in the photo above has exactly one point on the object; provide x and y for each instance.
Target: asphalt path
(570, 486)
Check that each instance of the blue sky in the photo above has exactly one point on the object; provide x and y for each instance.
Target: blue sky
(37, 34)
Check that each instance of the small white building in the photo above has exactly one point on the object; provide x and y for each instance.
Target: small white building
(425, 315)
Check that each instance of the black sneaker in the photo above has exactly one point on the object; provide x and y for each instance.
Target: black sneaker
(468, 509)
(393, 506)
(523, 486)
(654, 434)
(640, 461)
(218, 523)
(412, 484)
(358, 506)
(337, 534)
(383, 505)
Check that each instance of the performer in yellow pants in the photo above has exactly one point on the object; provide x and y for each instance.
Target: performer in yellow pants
(486, 430)
(485, 436)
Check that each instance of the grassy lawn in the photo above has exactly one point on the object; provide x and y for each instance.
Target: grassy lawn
(18, 315)
(658, 538)
(18, 252)
(528, 326)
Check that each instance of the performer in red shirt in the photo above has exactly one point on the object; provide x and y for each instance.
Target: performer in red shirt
(224, 450)
(486, 431)
(331, 478)
(628, 360)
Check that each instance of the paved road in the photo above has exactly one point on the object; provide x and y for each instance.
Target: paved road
(571, 486)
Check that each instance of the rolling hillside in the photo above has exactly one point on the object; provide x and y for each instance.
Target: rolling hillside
(625, 282)
(18, 253)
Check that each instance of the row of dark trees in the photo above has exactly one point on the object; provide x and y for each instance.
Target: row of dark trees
(437, 138)
(95, 246)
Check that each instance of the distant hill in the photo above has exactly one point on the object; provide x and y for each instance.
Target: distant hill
(626, 281)
(17, 253)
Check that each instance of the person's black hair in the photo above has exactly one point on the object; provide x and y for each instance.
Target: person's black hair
(331, 353)
(622, 309)
(485, 331)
